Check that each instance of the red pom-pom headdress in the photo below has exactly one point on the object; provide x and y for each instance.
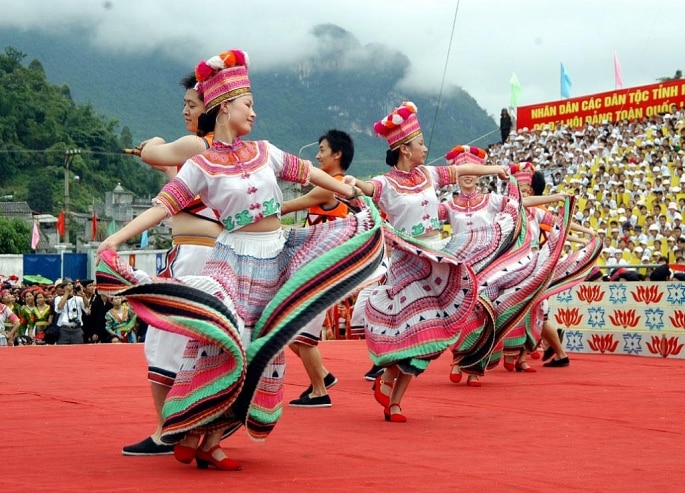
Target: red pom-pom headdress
(466, 154)
(523, 172)
(400, 126)
(223, 77)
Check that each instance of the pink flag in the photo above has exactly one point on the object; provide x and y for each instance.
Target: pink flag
(35, 237)
(617, 72)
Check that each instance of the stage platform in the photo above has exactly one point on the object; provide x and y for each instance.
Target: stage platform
(606, 423)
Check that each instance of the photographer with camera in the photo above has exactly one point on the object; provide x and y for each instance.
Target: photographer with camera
(70, 309)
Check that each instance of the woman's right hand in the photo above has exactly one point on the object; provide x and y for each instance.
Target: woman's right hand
(106, 245)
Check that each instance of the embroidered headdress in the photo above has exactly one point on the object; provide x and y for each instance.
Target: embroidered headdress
(400, 126)
(523, 172)
(223, 77)
(466, 154)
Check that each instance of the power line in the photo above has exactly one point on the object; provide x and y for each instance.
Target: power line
(57, 151)
(444, 74)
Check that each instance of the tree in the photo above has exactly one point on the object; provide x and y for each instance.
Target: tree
(40, 193)
(16, 236)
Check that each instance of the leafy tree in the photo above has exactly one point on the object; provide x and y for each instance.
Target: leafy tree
(39, 122)
(40, 193)
(16, 236)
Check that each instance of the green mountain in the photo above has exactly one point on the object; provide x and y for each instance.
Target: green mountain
(344, 85)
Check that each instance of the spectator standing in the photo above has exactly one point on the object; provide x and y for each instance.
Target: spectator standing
(70, 311)
(505, 124)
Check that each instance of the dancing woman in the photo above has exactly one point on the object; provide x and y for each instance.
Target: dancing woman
(402, 330)
(510, 281)
(568, 271)
(470, 211)
(261, 283)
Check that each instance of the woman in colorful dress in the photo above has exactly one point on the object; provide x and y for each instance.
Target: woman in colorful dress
(261, 285)
(402, 331)
(510, 281)
(568, 271)
(467, 211)
(42, 314)
(120, 321)
(26, 314)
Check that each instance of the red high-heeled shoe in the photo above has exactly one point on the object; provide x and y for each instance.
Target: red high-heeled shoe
(472, 381)
(525, 369)
(184, 454)
(455, 377)
(509, 364)
(381, 398)
(205, 458)
(394, 418)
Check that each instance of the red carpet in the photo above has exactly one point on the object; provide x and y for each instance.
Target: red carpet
(606, 423)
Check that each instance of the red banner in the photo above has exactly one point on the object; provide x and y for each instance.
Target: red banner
(632, 103)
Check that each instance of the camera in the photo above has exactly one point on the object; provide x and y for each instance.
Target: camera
(73, 318)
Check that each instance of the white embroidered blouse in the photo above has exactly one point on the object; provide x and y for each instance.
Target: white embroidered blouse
(468, 211)
(409, 199)
(237, 180)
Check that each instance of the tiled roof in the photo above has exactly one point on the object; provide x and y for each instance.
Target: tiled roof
(14, 208)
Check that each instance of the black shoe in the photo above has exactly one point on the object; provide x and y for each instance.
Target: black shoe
(374, 372)
(557, 363)
(329, 380)
(549, 352)
(148, 447)
(306, 401)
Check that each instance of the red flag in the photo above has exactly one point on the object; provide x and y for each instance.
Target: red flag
(60, 223)
(35, 237)
(94, 227)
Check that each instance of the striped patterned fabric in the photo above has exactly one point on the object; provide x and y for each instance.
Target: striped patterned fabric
(569, 271)
(520, 296)
(421, 309)
(234, 367)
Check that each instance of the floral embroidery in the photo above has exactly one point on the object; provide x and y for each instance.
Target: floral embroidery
(229, 224)
(271, 207)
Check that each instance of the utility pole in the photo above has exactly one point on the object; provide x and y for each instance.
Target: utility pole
(68, 156)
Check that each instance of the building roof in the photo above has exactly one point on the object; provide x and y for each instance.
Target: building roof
(15, 209)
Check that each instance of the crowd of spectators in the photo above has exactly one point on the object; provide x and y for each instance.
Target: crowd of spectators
(30, 314)
(627, 178)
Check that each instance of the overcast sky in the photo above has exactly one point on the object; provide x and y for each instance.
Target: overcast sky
(492, 39)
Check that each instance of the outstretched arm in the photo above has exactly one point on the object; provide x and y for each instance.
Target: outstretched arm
(317, 196)
(157, 153)
(535, 200)
(480, 170)
(324, 180)
(151, 217)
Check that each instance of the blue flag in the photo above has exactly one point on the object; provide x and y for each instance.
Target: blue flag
(143, 239)
(565, 83)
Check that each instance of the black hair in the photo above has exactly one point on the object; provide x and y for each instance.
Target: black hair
(207, 121)
(340, 141)
(188, 81)
(392, 157)
(538, 183)
(625, 274)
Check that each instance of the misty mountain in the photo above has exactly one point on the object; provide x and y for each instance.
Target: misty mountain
(343, 84)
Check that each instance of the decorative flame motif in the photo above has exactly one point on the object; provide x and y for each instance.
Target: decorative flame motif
(624, 318)
(603, 344)
(568, 317)
(678, 320)
(665, 346)
(647, 295)
(591, 293)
